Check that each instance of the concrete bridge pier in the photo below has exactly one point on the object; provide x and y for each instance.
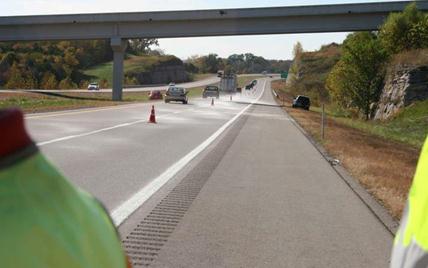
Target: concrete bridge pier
(119, 46)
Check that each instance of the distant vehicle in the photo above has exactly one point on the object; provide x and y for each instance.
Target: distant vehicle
(211, 91)
(172, 84)
(302, 102)
(155, 95)
(176, 94)
(228, 83)
(264, 72)
(219, 73)
(251, 85)
(93, 86)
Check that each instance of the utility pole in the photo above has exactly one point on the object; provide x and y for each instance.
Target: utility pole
(322, 122)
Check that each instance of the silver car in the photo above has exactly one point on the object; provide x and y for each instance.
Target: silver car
(176, 94)
(93, 86)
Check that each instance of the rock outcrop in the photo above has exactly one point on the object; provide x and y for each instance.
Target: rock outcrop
(403, 86)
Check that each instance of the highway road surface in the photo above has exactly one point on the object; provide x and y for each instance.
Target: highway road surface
(230, 185)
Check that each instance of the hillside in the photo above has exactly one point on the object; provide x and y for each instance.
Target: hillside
(142, 70)
(49, 65)
(309, 72)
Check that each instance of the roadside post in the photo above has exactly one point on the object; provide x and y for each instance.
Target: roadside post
(322, 122)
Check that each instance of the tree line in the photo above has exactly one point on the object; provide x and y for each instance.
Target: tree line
(235, 63)
(57, 64)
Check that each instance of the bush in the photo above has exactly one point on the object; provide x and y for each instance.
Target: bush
(356, 79)
(67, 84)
(405, 31)
(104, 83)
(49, 81)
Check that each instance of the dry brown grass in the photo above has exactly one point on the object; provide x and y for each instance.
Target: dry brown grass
(383, 167)
(416, 57)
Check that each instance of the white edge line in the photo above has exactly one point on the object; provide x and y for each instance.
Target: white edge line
(123, 211)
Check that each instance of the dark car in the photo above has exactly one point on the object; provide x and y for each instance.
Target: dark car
(251, 85)
(211, 91)
(302, 102)
(155, 95)
(176, 94)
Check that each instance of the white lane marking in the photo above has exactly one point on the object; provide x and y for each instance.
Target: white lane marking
(101, 130)
(89, 133)
(123, 211)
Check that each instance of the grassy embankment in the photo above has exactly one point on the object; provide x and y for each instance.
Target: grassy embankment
(382, 156)
(35, 102)
(133, 65)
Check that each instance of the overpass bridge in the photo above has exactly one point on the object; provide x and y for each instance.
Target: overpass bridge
(220, 22)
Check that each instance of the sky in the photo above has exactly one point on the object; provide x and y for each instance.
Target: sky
(268, 46)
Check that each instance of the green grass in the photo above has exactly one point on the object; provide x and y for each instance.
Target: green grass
(102, 71)
(197, 77)
(195, 92)
(409, 126)
(132, 64)
(37, 102)
(135, 64)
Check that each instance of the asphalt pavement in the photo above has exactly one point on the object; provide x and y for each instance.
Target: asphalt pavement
(113, 152)
(230, 185)
(272, 200)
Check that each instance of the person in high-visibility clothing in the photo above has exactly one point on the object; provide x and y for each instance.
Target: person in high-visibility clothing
(411, 241)
(45, 221)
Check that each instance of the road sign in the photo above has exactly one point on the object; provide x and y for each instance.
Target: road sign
(284, 75)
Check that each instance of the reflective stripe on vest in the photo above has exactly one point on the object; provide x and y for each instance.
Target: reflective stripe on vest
(411, 241)
(46, 222)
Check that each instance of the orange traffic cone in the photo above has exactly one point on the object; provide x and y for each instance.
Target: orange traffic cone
(152, 118)
(212, 101)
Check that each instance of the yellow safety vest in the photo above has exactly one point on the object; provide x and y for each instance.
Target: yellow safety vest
(411, 241)
(45, 222)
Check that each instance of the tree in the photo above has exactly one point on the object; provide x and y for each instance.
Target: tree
(67, 83)
(20, 79)
(212, 63)
(404, 31)
(297, 50)
(49, 81)
(294, 71)
(338, 84)
(141, 45)
(237, 63)
(356, 80)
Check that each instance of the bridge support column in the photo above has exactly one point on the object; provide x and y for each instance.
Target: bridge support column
(119, 46)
